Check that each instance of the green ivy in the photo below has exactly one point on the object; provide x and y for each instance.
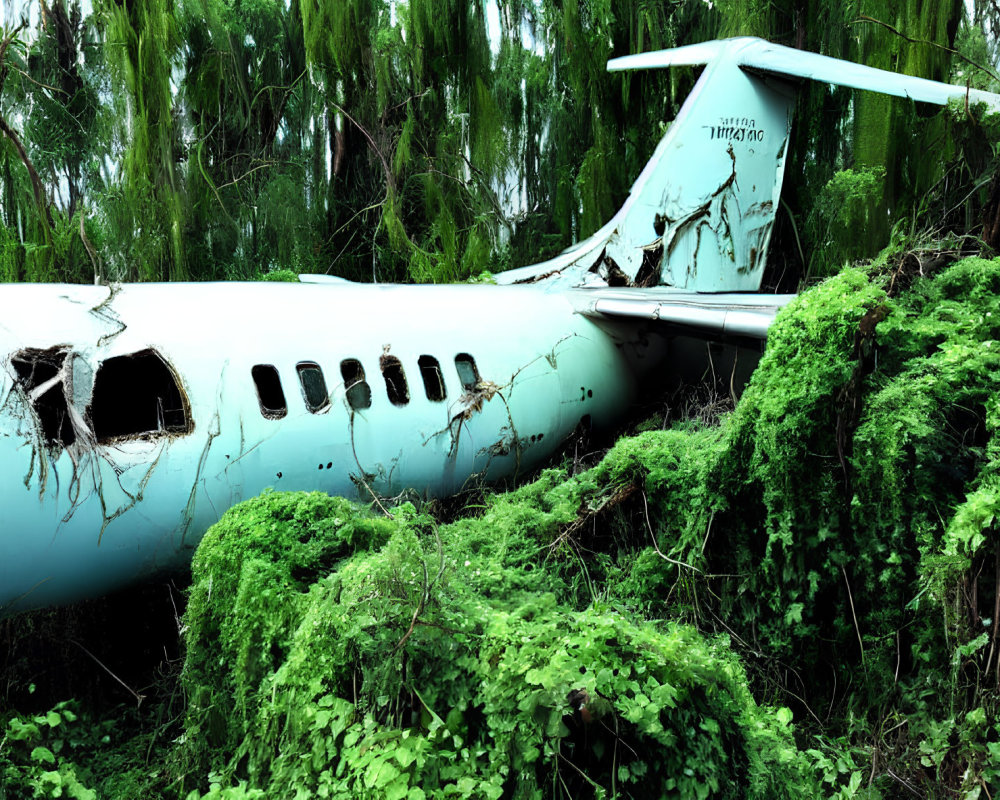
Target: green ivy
(334, 653)
(40, 755)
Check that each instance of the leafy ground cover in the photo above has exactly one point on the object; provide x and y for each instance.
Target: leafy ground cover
(800, 600)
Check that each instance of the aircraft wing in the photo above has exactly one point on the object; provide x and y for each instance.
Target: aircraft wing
(748, 315)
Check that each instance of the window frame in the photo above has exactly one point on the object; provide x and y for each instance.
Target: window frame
(431, 367)
(391, 363)
(470, 362)
(311, 366)
(360, 380)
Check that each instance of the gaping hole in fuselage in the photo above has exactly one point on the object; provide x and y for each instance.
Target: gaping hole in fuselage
(137, 395)
(34, 368)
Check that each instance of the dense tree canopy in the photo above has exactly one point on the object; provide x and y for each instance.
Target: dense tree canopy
(430, 139)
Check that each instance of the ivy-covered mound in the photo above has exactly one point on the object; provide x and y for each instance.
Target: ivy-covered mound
(334, 653)
(847, 527)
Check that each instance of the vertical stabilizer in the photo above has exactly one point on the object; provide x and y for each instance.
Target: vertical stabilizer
(699, 216)
(704, 207)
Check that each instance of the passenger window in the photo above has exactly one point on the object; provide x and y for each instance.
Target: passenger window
(269, 391)
(395, 380)
(467, 372)
(136, 395)
(313, 386)
(430, 371)
(359, 393)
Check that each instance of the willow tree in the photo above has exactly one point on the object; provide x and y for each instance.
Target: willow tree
(412, 140)
(146, 212)
(247, 102)
(583, 134)
(413, 135)
(27, 216)
(52, 137)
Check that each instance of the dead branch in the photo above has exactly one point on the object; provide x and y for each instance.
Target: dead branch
(138, 697)
(37, 187)
(426, 593)
(850, 599)
(645, 508)
(618, 497)
(865, 18)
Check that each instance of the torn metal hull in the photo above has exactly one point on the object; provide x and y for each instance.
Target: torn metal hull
(132, 417)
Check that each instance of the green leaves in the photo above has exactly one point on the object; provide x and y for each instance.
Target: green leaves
(47, 755)
(492, 684)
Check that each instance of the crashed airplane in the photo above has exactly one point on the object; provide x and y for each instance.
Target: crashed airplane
(133, 416)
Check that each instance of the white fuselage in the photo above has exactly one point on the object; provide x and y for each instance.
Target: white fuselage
(110, 475)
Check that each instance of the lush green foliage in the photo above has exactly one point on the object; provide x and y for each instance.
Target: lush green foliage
(336, 653)
(633, 630)
(834, 526)
(40, 755)
(829, 546)
(418, 141)
(220, 139)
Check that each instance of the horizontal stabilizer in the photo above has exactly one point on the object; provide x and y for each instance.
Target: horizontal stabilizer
(748, 315)
(751, 53)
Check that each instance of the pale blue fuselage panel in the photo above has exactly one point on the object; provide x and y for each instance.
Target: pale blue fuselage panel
(83, 517)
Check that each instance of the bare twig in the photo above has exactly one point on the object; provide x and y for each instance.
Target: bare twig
(615, 499)
(850, 599)
(652, 536)
(865, 18)
(416, 611)
(904, 783)
(996, 622)
(138, 697)
(91, 251)
(247, 174)
(425, 595)
(390, 179)
(582, 774)
(39, 84)
(285, 89)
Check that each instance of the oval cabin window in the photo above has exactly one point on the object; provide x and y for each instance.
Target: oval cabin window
(356, 388)
(313, 386)
(269, 392)
(430, 371)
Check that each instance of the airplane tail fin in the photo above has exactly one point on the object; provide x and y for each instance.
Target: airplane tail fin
(699, 216)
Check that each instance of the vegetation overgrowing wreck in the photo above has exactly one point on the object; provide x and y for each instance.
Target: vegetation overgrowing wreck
(555, 642)
(830, 546)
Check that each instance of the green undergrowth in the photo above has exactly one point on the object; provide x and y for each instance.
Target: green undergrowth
(40, 755)
(335, 653)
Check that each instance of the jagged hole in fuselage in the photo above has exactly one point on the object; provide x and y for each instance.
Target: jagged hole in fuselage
(34, 368)
(137, 395)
